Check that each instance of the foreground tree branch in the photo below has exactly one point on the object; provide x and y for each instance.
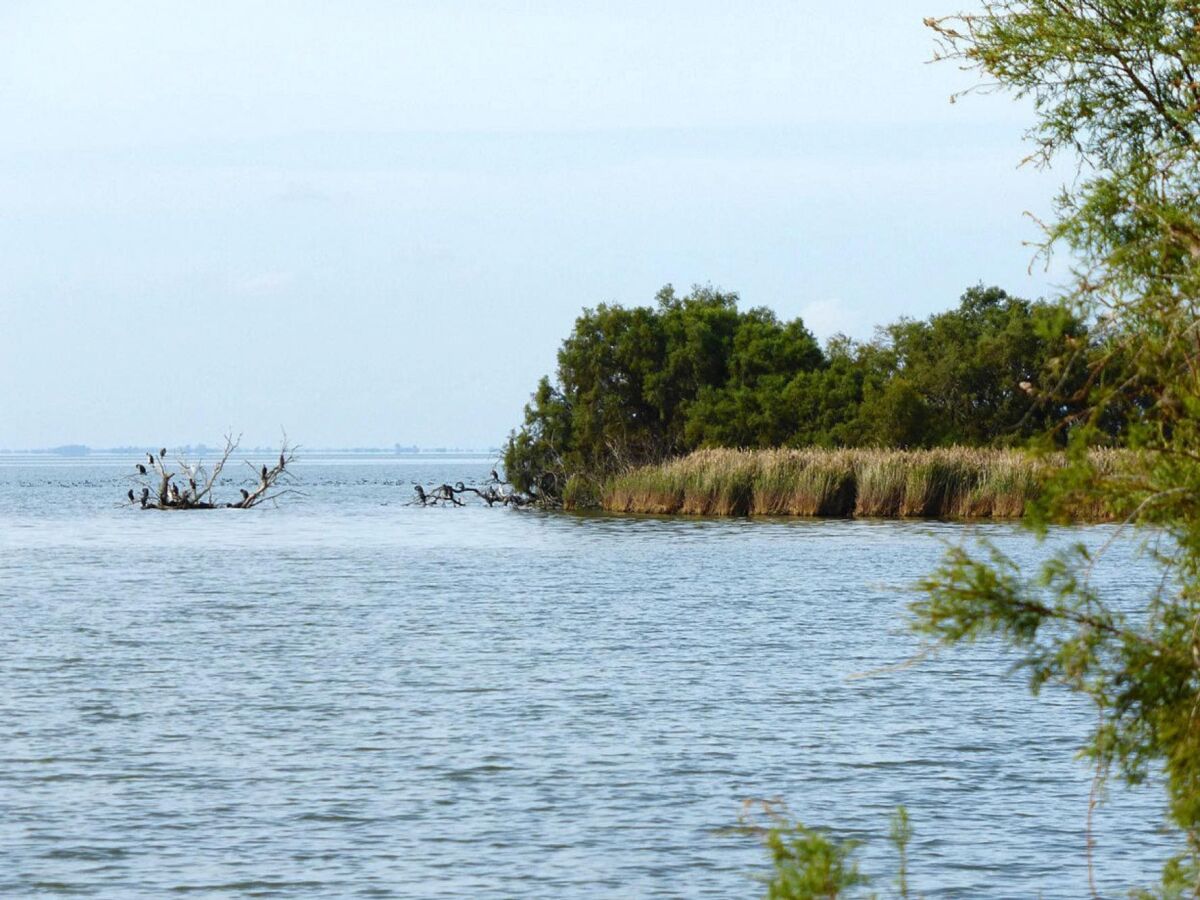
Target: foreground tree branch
(1115, 89)
(189, 485)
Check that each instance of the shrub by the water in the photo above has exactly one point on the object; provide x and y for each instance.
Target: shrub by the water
(813, 864)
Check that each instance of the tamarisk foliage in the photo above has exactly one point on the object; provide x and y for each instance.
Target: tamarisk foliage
(1116, 89)
(812, 864)
(189, 485)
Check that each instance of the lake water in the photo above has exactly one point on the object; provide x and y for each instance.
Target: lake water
(350, 696)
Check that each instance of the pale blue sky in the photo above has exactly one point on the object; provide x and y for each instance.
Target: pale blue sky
(374, 222)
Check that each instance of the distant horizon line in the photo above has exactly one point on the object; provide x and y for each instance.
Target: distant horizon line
(80, 450)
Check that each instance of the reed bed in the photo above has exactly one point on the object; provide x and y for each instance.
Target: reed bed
(950, 483)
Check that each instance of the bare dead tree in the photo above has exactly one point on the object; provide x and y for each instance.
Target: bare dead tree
(194, 487)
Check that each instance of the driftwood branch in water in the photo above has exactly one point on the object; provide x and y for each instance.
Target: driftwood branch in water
(188, 485)
(492, 492)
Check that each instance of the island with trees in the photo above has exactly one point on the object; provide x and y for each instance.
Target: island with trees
(921, 420)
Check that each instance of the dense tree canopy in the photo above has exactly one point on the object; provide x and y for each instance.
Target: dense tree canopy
(639, 384)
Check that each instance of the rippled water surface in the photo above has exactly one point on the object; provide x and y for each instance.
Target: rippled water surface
(349, 696)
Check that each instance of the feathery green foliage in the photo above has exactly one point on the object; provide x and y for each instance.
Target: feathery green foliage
(811, 864)
(1115, 85)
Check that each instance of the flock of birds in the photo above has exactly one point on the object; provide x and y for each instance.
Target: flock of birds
(142, 470)
(193, 493)
(171, 495)
(491, 493)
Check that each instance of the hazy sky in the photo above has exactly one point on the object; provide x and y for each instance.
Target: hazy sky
(374, 222)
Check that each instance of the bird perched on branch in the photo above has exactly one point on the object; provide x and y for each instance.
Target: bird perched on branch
(150, 456)
(130, 495)
(495, 477)
(162, 454)
(245, 494)
(145, 495)
(264, 472)
(282, 461)
(141, 469)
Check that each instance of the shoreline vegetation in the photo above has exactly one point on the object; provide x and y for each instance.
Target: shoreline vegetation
(926, 420)
(940, 483)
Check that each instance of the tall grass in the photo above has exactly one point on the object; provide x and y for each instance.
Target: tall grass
(953, 482)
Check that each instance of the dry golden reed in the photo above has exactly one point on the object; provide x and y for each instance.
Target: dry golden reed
(950, 483)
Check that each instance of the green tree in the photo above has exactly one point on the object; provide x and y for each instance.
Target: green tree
(750, 408)
(540, 458)
(828, 402)
(896, 414)
(958, 375)
(639, 384)
(699, 331)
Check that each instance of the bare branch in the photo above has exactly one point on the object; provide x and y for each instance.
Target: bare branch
(493, 491)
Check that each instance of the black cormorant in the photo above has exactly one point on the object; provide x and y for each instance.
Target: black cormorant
(282, 461)
(141, 469)
(245, 494)
(130, 495)
(150, 456)
(264, 472)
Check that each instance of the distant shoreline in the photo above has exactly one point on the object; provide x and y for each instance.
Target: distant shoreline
(82, 451)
